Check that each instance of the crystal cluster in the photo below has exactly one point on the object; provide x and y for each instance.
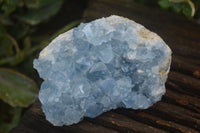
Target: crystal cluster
(102, 65)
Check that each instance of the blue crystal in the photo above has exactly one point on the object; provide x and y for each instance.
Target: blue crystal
(102, 65)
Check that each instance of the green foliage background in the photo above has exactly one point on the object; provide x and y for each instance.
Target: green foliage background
(19, 20)
(188, 8)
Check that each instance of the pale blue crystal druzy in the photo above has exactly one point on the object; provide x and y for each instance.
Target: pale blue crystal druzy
(107, 63)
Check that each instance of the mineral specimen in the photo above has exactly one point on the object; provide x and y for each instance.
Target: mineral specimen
(102, 65)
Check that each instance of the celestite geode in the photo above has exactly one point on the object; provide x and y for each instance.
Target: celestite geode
(102, 65)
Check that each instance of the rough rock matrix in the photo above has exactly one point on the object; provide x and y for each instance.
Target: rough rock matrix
(102, 65)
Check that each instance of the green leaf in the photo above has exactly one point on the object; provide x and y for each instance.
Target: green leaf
(177, 7)
(1, 1)
(187, 10)
(183, 9)
(8, 44)
(9, 50)
(186, 7)
(10, 53)
(9, 117)
(16, 89)
(18, 31)
(36, 4)
(165, 4)
(9, 6)
(36, 16)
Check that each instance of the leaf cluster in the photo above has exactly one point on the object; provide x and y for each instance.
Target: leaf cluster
(188, 8)
(18, 21)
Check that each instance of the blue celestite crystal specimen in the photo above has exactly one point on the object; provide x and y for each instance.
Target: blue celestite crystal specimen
(102, 65)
